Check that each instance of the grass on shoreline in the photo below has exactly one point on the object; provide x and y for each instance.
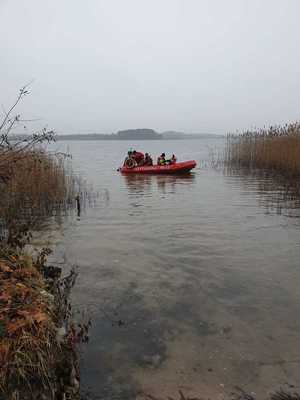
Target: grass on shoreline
(34, 360)
(33, 182)
(276, 149)
(37, 335)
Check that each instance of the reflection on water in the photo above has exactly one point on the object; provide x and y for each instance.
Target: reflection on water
(192, 281)
(275, 193)
(143, 184)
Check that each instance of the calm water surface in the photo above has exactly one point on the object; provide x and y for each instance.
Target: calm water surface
(192, 282)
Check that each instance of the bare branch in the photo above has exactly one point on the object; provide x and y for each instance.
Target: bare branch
(23, 92)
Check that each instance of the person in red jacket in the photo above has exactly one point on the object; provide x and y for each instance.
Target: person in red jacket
(138, 157)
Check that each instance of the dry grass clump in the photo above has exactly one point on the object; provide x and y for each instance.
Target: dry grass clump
(276, 148)
(34, 183)
(33, 359)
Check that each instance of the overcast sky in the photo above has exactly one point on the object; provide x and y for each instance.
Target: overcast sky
(208, 66)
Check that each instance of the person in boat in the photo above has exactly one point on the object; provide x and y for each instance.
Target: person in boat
(173, 159)
(138, 157)
(161, 160)
(127, 158)
(148, 160)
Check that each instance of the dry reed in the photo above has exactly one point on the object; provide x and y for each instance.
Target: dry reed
(34, 183)
(276, 149)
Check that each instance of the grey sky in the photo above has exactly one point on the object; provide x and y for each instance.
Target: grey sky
(192, 65)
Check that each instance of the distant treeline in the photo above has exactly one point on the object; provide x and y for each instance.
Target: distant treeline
(137, 134)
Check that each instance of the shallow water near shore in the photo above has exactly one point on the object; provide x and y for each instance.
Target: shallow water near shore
(192, 281)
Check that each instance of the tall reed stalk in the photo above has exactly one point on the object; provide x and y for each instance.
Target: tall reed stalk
(34, 183)
(276, 148)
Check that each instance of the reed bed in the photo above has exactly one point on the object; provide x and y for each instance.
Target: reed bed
(34, 183)
(275, 149)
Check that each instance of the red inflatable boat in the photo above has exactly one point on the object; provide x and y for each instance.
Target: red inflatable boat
(177, 168)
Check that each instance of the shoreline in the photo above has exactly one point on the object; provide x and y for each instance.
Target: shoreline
(38, 353)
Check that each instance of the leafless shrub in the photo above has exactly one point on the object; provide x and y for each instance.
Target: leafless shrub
(33, 182)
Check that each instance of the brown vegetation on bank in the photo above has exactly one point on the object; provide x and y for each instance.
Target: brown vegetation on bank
(33, 182)
(276, 149)
(28, 346)
(37, 339)
(37, 336)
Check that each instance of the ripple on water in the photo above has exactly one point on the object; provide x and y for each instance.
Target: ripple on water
(203, 270)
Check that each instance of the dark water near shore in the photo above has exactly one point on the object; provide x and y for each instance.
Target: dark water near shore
(192, 281)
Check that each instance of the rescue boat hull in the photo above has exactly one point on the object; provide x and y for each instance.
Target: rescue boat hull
(177, 168)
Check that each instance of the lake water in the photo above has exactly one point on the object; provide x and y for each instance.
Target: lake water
(192, 282)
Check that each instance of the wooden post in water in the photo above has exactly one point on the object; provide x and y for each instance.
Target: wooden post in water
(77, 198)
